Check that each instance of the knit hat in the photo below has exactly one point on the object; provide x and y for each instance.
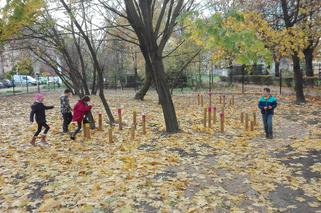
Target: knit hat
(39, 96)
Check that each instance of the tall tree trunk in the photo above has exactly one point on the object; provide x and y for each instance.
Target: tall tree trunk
(164, 95)
(298, 78)
(94, 86)
(308, 56)
(277, 67)
(102, 97)
(147, 83)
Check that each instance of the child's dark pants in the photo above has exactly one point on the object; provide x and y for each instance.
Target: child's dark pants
(78, 129)
(67, 119)
(40, 125)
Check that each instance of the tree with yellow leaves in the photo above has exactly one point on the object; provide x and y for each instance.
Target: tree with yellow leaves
(16, 15)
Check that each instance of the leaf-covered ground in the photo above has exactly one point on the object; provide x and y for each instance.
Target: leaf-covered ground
(196, 170)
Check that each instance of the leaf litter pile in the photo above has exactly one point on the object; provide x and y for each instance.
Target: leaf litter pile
(198, 169)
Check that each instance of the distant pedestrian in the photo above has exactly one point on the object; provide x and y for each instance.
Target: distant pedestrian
(80, 109)
(38, 110)
(66, 109)
(267, 104)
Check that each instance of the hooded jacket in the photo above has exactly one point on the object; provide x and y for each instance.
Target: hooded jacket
(263, 102)
(39, 109)
(80, 110)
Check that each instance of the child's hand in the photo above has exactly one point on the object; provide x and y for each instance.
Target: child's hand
(270, 107)
(265, 108)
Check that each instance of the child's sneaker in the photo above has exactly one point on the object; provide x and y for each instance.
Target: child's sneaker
(33, 141)
(43, 141)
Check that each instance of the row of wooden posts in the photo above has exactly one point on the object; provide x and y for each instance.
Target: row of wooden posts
(87, 134)
(200, 100)
(209, 119)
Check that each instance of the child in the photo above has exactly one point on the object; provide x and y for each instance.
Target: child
(38, 109)
(80, 109)
(65, 109)
(267, 104)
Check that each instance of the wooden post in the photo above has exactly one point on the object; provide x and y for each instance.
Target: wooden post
(223, 101)
(209, 117)
(210, 97)
(110, 135)
(100, 122)
(222, 121)
(135, 119)
(246, 121)
(84, 126)
(198, 99)
(214, 115)
(220, 99)
(202, 101)
(132, 133)
(233, 100)
(254, 118)
(252, 125)
(120, 119)
(205, 119)
(88, 131)
(144, 123)
(242, 117)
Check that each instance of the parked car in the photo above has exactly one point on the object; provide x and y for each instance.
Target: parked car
(24, 79)
(1, 85)
(7, 83)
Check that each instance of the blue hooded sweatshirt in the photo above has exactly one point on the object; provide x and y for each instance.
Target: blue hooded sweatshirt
(263, 102)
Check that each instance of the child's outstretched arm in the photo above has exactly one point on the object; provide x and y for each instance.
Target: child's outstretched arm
(49, 107)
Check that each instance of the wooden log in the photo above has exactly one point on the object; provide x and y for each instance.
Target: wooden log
(254, 118)
(84, 129)
(144, 123)
(120, 120)
(198, 99)
(214, 115)
(246, 121)
(222, 121)
(110, 135)
(132, 133)
(88, 131)
(135, 119)
(242, 117)
(205, 117)
(100, 122)
(209, 117)
(252, 125)
(223, 101)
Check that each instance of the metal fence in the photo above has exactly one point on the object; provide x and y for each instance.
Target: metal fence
(29, 89)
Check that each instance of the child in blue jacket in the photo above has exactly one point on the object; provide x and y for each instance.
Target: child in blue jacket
(267, 104)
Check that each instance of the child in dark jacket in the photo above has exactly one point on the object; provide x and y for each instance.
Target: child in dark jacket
(80, 109)
(65, 109)
(267, 104)
(38, 110)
